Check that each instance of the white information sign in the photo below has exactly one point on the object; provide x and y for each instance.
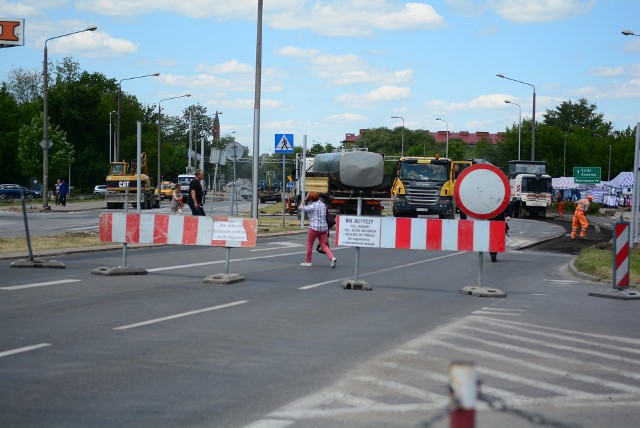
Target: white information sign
(359, 231)
(229, 231)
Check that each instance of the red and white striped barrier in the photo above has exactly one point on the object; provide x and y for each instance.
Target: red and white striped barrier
(621, 256)
(178, 230)
(421, 233)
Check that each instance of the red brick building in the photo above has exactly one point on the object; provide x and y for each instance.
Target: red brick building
(471, 138)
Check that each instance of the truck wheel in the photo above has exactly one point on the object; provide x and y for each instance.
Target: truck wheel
(111, 205)
(262, 201)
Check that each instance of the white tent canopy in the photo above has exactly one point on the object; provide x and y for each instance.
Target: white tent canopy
(622, 180)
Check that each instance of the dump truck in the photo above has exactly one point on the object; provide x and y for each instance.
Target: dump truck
(342, 177)
(425, 185)
(123, 176)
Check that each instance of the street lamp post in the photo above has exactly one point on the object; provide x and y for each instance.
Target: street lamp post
(110, 137)
(402, 146)
(609, 174)
(117, 145)
(519, 123)
(45, 125)
(159, 133)
(533, 116)
(446, 150)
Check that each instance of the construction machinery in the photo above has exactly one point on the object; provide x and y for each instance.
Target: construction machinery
(531, 188)
(425, 185)
(341, 178)
(122, 185)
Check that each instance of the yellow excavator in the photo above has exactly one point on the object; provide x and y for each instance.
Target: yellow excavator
(123, 176)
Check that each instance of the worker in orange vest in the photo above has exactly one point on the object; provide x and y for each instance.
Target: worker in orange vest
(580, 217)
(560, 199)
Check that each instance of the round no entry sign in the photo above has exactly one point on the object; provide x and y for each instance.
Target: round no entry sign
(482, 191)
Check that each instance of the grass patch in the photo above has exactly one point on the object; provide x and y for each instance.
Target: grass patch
(51, 242)
(599, 262)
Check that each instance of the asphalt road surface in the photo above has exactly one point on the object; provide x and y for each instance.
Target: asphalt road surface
(288, 347)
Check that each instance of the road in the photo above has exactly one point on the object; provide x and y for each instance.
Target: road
(288, 347)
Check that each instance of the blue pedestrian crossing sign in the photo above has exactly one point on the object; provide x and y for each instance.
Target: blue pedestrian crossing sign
(284, 143)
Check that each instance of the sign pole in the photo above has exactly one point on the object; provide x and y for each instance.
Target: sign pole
(282, 189)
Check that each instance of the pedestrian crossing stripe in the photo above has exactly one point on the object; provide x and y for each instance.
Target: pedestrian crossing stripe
(284, 143)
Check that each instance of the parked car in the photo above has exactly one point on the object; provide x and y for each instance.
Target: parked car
(9, 191)
(100, 190)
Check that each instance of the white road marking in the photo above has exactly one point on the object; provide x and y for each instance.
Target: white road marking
(279, 245)
(184, 314)
(40, 284)
(25, 349)
(318, 284)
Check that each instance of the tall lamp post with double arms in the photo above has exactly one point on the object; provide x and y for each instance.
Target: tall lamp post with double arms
(45, 125)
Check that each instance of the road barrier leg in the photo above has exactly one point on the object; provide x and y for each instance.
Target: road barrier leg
(33, 263)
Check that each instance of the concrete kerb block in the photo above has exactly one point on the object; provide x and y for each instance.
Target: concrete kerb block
(616, 294)
(223, 278)
(118, 270)
(482, 291)
(352, 284)
(44, 264)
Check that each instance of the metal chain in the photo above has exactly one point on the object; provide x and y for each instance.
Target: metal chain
(435, 418)
(535, 418)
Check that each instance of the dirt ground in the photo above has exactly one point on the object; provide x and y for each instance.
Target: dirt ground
(599, 237)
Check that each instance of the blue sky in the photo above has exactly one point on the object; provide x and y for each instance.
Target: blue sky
(334, 67)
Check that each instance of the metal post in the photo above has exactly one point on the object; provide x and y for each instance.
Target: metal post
(227, 261)
(126, 211)
(256, 114)
(480, 269)
(303, 177)
(139, 168)
(26, 225)
(635, 190)
(359, 213)
(463, 391)
(282, 185)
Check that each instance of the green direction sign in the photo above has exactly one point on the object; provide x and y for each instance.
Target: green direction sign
(586, 174)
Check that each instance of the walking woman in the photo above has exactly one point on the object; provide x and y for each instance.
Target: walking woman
(316, 211)
(176, 200)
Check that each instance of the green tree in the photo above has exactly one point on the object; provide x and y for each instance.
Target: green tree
(61, 154)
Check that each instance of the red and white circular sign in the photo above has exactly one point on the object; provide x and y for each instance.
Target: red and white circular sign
(482, 191)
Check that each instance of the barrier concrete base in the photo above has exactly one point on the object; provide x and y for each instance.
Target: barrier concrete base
(483, 291)
(44, 264)
(118, 270)
(352, 284)
(223, 278)
(616, 294)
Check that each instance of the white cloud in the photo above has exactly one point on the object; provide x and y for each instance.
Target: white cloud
(606, 71)
(347, 69)
(384, 93)
(295, 52)
(528, 11)
(94, 44)
(228, 67)
(483, 102)
(347, 117)
(358, 17)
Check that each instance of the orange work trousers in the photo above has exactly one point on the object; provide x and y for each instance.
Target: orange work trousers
(579, 219)
(560, 209)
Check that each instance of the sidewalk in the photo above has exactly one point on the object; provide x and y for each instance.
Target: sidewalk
(36, 206)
